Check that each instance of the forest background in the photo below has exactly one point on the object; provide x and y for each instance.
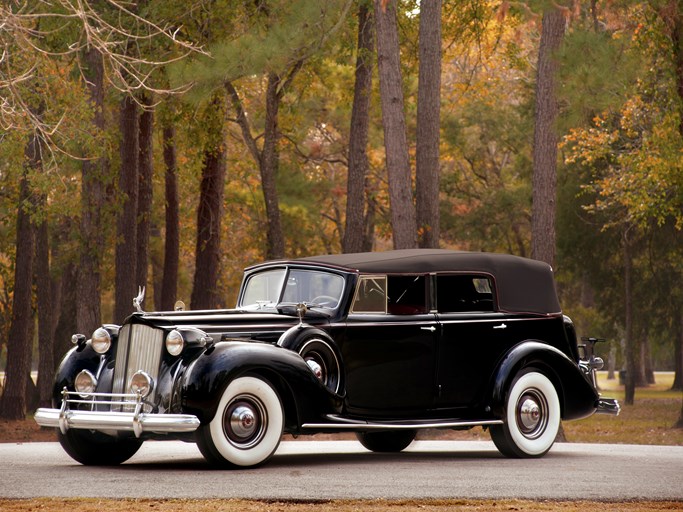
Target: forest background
(170, 144)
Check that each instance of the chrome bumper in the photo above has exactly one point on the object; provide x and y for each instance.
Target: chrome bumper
(135, 421)
(608, 406)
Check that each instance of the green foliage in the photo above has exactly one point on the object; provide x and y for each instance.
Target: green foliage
(270, 39)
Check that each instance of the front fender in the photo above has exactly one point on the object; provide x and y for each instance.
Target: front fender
(303, 396)
(578, 397)
(75, 360)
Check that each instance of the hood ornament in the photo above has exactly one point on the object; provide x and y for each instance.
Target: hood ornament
(137, 301)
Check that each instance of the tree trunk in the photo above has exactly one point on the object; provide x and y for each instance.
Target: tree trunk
(169, 286)
(544, 195)
(427, 172)
(632, 351)
(94, 177)
(205, 290)
(403, 219)
(358, 138)
(66, 322)
(269, 169)
(46, 324)
(646, 360)
(678, 375)
(20, 340)
(145, 190)
(126, 225)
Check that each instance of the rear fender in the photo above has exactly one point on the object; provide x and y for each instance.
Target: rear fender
(577, 396)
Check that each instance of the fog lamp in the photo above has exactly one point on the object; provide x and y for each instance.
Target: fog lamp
(141, 383)
(85, 383)
(175, 343)
(101, 340)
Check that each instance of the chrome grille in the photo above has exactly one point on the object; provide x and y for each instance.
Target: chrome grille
(139, 348)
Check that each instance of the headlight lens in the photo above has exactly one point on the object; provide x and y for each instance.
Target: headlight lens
(175, 343)
(101, 341)
(85, 383)
(141, 383)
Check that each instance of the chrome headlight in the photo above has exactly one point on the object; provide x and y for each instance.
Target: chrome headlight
(101, 340)
(85, 383)
(141, 383)
(175, 343)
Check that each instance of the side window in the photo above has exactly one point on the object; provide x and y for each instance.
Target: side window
(371, 295)
(462, 293)
(407, 295)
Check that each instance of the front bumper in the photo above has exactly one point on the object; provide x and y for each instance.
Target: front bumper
(135, 421)
(608, 406)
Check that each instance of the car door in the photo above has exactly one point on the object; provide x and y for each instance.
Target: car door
(390, 348)
(472, 338)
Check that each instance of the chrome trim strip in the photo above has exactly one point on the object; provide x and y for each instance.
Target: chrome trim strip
(398, 426)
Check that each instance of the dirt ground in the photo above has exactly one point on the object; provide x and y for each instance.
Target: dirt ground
(92, 505)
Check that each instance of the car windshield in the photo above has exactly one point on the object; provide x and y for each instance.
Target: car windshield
(267, 289)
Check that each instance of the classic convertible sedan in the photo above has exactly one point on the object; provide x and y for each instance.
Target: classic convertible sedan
(380, 344)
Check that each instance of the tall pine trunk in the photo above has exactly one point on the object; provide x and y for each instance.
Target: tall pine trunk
(46, 324)
(544, 179)
(20, 343)
(358, 138)
(403, 219)
(145, 189)
(632, 349)
(205, 289)
(169, 285)
(269, 164)
(126, 224)
(427, 172)
(93, 193)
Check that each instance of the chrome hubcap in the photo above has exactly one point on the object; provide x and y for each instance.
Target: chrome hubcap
(532, 414)
(244, 422)
(315, 368)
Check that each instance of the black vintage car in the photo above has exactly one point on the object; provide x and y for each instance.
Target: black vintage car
(380, 344)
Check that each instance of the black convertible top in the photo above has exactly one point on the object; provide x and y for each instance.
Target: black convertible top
(523, 285)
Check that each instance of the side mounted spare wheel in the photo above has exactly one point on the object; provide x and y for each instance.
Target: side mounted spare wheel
(322, 359)
(247, 427)
(532, 417)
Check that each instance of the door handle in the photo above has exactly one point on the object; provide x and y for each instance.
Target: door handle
(501, 326)
(431, 328)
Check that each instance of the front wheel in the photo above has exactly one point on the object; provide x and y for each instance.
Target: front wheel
(97, 449)
(532, 418)
(386, 441)
(247, 427)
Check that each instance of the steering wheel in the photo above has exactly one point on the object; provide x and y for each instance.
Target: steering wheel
(321, 300)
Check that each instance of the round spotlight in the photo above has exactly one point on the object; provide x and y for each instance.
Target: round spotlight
(101, 340)
(141, 383)
(85, 383)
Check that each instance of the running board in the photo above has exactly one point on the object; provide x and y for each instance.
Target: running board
(338, 423)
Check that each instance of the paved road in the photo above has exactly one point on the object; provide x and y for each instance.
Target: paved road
(307, 470)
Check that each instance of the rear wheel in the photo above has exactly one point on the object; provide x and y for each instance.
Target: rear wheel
(96, 449)
(532, 417)
(247, 427)
(386, 440)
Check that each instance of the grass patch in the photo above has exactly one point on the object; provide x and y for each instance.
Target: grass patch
(648, 421)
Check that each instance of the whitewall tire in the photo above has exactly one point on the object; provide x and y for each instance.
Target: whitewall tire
(532, 417)
(247, 427)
